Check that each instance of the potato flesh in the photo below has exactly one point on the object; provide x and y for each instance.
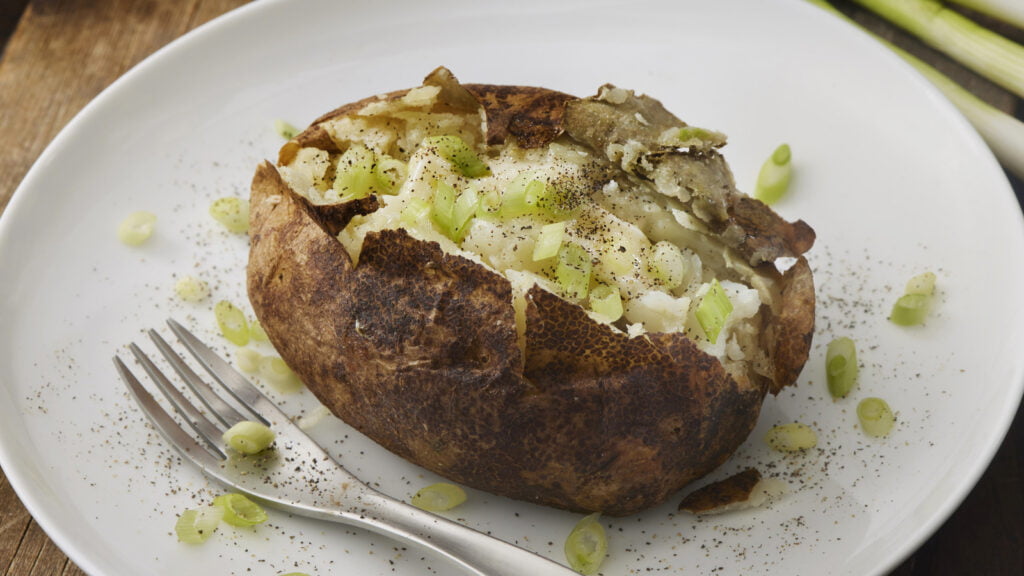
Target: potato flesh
(617, 222)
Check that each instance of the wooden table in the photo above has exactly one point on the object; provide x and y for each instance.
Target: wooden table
(58, 54)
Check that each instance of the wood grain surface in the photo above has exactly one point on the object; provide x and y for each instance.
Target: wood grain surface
(59, 54)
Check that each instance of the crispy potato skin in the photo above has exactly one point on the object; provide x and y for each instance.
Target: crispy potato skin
(418, 350)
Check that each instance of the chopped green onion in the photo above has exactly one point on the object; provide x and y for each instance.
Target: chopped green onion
(415, 211)
(136, 228)
(248, 360)
(490, 204)
(459, 154)
(713, 311)
(792, 437)
(391, 171)
(358, 175)
(587, 545)
(987, 53)
(1001, 131)
(239, 510)
(573, 270)
(776, 172)
(1009, 11)
(196, 525)
(700, 137)
(274, 371)
(443, 209)
(606, 301)
(539, 194)
(191, 289)
(525, 194)
(452, 211)
(910, 309)
(549, 241)
(285, 130)
(921, 284)
(841, 367)
(439, 497)
(668, 265)
(876, 418)
(232, 322)
(248, 437)
(464, 210)
(257, 332)
(232, 212)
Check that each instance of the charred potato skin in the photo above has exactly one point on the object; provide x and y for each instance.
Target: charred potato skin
(418, 350)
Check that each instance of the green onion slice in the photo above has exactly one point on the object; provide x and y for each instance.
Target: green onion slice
(700, 137)
(136, 228)
(232, 323)
(439, 497)
(275, 372)
(463, 211)
(668, 264)
(239, 510)
(921, 284)
(792, 437)
(358, 175)
(459, 155)
(910, 309)
(549, 241)
(191, 289)
(525, 194)
(876, 418)
(196, 525)
(248, 437)
(285, 130)
(606, 301)
(443, 209)
(232, 212)
(573, 270)
(248, 360)
(490, 204)
(841, 367)
(415, 211)
(713, 311)
(257, 333)
(587, 545)
(773, 179)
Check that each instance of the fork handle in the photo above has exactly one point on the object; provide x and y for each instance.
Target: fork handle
(475, 551)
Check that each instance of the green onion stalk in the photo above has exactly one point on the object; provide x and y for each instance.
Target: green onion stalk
(1003, 133)
(1008, 11)
(997, 58)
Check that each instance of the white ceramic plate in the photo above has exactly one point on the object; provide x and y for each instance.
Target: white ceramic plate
(893, 180)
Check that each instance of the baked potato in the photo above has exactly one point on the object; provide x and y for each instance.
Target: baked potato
(556, 299)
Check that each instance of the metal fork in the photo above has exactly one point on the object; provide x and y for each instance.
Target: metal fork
(296, 474)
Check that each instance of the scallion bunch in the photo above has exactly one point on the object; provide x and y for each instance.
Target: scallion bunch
(983, 51)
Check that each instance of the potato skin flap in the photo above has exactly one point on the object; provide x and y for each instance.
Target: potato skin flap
(422, 351)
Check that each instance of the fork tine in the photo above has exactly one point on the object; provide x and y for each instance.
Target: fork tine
(224, 412)
(192, 416)
(164, 423)
(239, 387)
